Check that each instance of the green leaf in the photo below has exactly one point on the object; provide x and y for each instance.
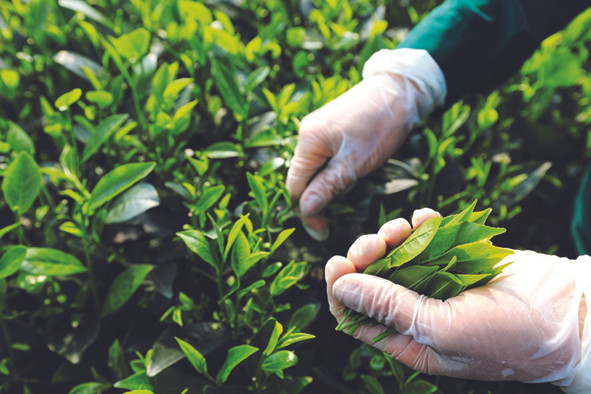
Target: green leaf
(51, 262)
(411, 247)
(477, 257)
(117, 360)
(293, 338)
(64, 101)
(240, 255)
(10, 78)
(7, 229)
(124, 286)
(117, 181)
(281, 238)
(473, 280)
(256, 78)
(222, 150)
(87, 10)
(303, 317)
(419, 386)
(102, 133)
(288, 276)
(12, 260)
(480, 216)
(137, 381)
(19, 140)
(257, 186)
(133, 45)
(459, 217)
(132, 203)
(273, 339)
(234, 98)
(410, 277)
(194, 356)
(236, 355)
(102, 98)
(22, 183)
(90, 388)
(443, 285)
(279, 361)
(372, 385)
(198, 244)
(209, 196)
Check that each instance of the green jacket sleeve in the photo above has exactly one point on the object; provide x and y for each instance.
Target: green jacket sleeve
(479, 43)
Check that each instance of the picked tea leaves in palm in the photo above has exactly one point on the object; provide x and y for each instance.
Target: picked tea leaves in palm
(441, 258)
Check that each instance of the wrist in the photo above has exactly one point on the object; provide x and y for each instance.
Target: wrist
(419, 68)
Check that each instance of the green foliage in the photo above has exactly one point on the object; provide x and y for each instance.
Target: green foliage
(148, 241)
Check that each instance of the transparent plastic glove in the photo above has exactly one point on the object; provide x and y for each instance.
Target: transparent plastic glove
(359, 130)
(529, 324)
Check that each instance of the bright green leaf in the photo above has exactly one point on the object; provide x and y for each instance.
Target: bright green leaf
(236, 355)
(12, 260)
(22, 183)
(51, 262)
(64, 101)
(194, 356)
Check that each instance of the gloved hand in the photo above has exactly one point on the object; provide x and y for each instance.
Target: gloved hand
(358, 131)
(531, 323)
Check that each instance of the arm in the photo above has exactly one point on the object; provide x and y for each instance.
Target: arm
(479, 43)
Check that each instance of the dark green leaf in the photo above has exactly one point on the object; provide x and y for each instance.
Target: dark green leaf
(443, 285)
(90, 388)
(234, 98)
(132, 203)
(51, 262)
(236, 355)
(12, 260)
(124, 286)
(116, 182)
(102, 133)
(409, 277)
(303, 317)
(22, 183)
(372, 384)
(117, 360)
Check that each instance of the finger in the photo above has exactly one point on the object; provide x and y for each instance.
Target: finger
(366, 249)
(316, 226)
(389, 304)
(395, 232)
(420, 215)
(335, 268)
(401, 347)
(311, 153)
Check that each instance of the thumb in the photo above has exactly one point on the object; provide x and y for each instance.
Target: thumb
(336, 178)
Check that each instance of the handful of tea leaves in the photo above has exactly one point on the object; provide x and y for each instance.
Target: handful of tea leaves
(442, 258)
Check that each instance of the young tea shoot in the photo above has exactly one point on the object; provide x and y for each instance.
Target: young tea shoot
(441, 258)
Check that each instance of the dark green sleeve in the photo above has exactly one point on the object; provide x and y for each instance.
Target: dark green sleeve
(479, 43)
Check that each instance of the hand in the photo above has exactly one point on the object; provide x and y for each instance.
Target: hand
(527, 324)
(350, 136)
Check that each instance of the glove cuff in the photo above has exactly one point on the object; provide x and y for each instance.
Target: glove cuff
(419, 67)
(580, 381)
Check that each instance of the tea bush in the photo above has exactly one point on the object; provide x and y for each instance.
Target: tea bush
(148, 243)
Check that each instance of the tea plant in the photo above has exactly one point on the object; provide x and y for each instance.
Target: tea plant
(148, 242)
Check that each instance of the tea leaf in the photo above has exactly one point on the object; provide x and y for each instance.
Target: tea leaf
(209, 196)
(225, 80)
(12, 260)
(303, 317)
(124, 286)
(293, 338)
(133, 45)
(90, 388)
(420, 386)
(279, 361)
(87, 10)
(198, 244)
(411, 276)
(22, 183)
(477, 257)
(194, 356)
(287, 277)
(132, 203)
(281, 238)
(273, 339)
(117, 181)
(51, 262)
(459, 217)
(444, 285)
(19, 140)
(258, 189)
(64, 101)
(236, 355)
(240, 255)
(102, 133)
